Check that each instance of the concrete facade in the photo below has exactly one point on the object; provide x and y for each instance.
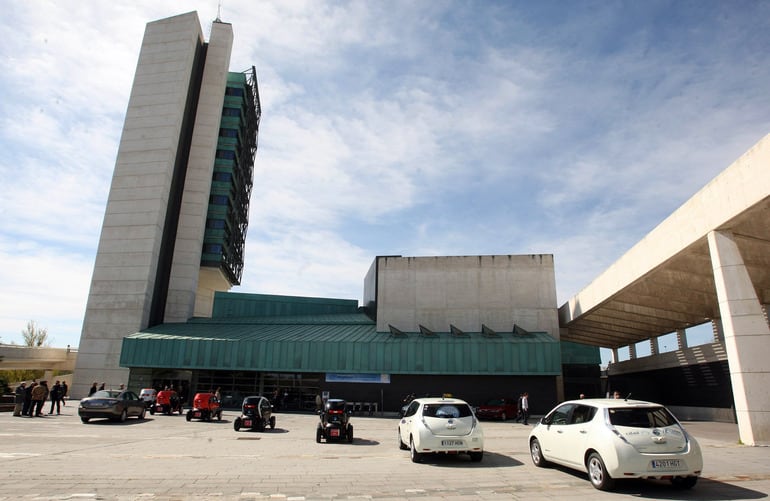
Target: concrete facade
(464, 291)
(134, 269)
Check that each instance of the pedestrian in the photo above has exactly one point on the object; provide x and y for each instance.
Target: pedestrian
(39, 396)
(101, 386)
(64, 390)
(518, 408)
(218, 394)
(92, 390)
(582, 396)
(55, 398)
(525, 407)
(28, 398)
(19, 400)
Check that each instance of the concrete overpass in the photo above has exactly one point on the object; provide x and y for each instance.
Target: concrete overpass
(15, 357)
(708, 261)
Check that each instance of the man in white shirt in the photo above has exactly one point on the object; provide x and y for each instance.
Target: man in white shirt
(525, 407)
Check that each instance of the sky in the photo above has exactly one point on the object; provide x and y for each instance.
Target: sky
(413, 128)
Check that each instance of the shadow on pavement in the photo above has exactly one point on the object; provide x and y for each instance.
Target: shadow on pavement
(490, 460)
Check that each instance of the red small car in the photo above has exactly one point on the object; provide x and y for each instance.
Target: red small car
(205, 407)
(167, 402)
(498, 408)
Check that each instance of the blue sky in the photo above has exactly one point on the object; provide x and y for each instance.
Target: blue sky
(415, 128)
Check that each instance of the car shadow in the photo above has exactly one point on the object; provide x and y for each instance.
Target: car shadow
(128, 422)
(704, 490)
(490, 460)
(267, 431)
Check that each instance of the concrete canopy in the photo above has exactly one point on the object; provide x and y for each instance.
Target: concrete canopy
(666, 281)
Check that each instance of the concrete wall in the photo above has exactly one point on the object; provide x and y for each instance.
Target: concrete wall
(466, 291)
(127, 260)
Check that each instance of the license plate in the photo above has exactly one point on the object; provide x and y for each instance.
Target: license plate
(197, 414)
(334, 433)
(247, 422)
(666, 464)
(452, 443)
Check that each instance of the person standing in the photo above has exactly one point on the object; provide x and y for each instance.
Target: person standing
(92, 390)
(28, 399)
(39, 396)
(64, 390)
(525, 407)
(518, 407)
(55, 397)
(19, 400)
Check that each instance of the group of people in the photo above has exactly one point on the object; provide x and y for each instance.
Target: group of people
(30, 399)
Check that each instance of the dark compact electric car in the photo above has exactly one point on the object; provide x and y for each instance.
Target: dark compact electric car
(335, 422)
(256, 414)
(115, 405)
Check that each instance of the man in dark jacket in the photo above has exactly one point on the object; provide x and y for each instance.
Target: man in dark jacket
(19, 400)
(28, 398)
(55, 398)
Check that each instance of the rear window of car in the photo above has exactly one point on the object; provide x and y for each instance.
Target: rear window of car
(644, 417)
(446, 411)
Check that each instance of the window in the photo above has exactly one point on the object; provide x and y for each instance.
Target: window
(215, 224)
(446, 411)
(231, 112)
(560, 415)
(226, 154)
(233, 91)
(649, 417)
(227, 132)
(223, 176)
(212, 248)
(218, 200)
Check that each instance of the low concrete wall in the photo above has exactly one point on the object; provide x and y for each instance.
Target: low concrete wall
(719, 415)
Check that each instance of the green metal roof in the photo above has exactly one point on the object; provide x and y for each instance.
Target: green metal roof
(342, 343)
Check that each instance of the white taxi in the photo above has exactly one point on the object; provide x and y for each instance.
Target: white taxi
(440, 426)
(613, 439)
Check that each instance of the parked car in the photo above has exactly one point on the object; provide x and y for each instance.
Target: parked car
(498, 408)
(115, 405)
(440, 425)
(334, 422)
(613, 438)
(256, 413)
(148, 395)
(205, 407)
(167, 402)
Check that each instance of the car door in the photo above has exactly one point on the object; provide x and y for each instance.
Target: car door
(551, 435)
(576, 433)
(406, 421)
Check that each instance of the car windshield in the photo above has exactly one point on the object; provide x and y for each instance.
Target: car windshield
(641, 417)
(446, 410)
(106, 394)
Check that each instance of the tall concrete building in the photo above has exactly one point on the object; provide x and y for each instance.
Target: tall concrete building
(177, 213)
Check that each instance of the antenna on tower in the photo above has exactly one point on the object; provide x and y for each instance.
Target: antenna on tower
(219, 12)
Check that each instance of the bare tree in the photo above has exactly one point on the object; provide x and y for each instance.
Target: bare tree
(35, 336)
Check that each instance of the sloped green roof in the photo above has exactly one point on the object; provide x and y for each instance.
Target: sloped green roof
(341, 343)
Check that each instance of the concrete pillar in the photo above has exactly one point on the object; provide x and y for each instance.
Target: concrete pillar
(747, 338)
(631, 351)
(681, 339)
(719, 333)
(614, 356)
(654, 346)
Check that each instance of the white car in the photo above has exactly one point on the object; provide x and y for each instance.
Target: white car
(613, 439)
(440, 425)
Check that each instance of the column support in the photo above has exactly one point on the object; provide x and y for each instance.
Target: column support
(747, 338)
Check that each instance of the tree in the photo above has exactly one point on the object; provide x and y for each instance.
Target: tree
(34, 336)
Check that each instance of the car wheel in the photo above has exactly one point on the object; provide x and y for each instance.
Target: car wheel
(684, 482)
(477, 456)
(597, 473)
(401, 444)
(219, 416)
(416, 456)
(152, 410)
(123, 416)
(142, 414)
(272, 422)
(350, 433)
(237, 424)
(318, 435)
(85, 419)
(189, 415)
(260, 424)
(537, 454)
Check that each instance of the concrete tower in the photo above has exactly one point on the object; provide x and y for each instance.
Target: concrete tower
(176, 217)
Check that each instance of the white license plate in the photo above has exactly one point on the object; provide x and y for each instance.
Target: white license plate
(666, 464)
(452, 443)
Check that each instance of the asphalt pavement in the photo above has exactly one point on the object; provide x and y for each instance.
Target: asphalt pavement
(166, 458)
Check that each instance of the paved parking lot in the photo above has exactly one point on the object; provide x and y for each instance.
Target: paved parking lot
(167, 458)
